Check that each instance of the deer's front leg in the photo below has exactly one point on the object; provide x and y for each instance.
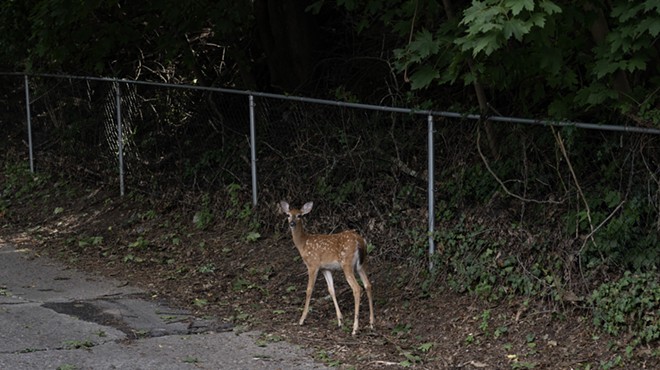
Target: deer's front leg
(312, 272)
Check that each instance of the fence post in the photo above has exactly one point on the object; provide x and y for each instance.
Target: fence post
(253, 152)
(431, 194)
(29, 122)
(120, 139)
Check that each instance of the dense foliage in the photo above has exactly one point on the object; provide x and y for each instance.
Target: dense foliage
(583, 59)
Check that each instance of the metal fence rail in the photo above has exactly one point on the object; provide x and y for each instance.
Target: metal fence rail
(126, 93)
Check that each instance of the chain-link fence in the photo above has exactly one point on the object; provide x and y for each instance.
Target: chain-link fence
(155, 137)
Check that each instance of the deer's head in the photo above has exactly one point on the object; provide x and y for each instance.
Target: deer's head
(294, 215)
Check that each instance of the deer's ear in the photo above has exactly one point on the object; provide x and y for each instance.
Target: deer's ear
(307, 208)
(284, 207)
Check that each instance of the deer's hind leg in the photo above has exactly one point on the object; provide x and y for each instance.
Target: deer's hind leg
(367, 287)
(357, 290)
(331, 289)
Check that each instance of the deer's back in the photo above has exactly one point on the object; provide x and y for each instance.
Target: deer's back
(330, 249)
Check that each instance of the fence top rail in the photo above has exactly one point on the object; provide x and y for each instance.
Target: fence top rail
(444, 114)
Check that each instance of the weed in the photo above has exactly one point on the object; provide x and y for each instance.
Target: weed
(241, 316)
(140, 333)
(4, 292)
(202, 219)
(523, 365)
(629, 304)
(209, 268)
(325, 357)
(78, 344)
(199, 302)
(19, 181)
(499, 331)
(169, 318)
(90, 240)
(616, 361)
(401, 329)
(411, 358)
(67, 367)
(139, 243)
(485, 317)
(531, 343)
(148, 215)
(190, 360)
(253, 236)
(425, 347)
(264, 339)
(132, 258)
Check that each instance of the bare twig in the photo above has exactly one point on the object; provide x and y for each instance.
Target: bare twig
(562, 148)
(656, 203)
(506, 190)
(410, 36)
(591, 234)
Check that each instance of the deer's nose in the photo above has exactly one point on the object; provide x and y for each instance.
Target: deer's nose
(292, 223)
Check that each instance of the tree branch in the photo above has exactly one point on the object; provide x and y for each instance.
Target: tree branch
(506, 190)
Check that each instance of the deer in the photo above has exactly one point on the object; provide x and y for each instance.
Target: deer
(344, 251)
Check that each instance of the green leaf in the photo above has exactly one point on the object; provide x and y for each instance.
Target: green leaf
(515, 27)
(559, 108)
(650, 25)
(537, 19)
(315, 7)
(424, 45)
(348, 4)
(650, 4)
(488, 44)
(594, 95)
(487, 27)
(549, 7)
(518, 5)
(625, 11)
(617, 43)
(636, 63)
(425, 347)
(612, 198)
(604, 67)
(476, 10)
(423, 77)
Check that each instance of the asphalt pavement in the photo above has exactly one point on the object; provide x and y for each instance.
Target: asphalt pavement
(53, 317)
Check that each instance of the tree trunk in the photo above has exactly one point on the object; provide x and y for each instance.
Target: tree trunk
(478, 89)
(288, 37)
(599, 30)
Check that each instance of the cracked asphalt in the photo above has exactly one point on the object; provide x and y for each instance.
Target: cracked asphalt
(52, 317)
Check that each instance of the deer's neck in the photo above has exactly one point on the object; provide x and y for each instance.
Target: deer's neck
(299, 235)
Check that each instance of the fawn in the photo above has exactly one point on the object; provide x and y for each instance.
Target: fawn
(326, 252)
